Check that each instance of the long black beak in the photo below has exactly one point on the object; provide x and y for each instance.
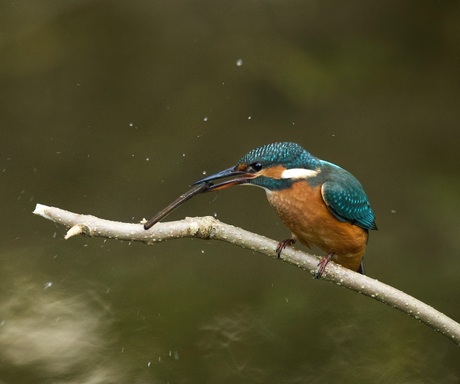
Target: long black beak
(199, 188)
(202, 186)
(235, 177)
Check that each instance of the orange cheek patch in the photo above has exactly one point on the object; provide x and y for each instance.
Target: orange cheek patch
(272, 172)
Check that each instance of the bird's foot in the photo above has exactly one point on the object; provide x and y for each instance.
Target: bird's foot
(322, 265)
(283, 244)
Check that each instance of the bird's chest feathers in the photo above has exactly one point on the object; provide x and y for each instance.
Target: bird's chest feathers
(300, 207)
(304, 212)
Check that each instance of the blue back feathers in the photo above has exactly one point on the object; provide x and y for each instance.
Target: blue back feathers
(345, 197)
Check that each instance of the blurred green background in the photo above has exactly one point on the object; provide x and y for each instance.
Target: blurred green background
(112, 108)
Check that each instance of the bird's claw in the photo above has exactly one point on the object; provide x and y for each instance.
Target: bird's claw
(322, 265)
(283, 244)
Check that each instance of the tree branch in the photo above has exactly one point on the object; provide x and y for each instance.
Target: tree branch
(210, 228)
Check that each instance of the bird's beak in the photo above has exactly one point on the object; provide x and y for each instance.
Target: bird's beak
(235, 177)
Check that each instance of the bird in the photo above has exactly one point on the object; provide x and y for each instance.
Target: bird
(320, 203)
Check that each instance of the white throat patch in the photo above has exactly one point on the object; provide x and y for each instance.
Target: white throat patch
(299, 173)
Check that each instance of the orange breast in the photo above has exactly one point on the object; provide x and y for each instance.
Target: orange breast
(304, 212)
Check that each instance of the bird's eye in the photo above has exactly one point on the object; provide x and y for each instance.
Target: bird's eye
(256, 167)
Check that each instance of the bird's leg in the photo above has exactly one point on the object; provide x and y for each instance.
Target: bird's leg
(283, 244)
(322, 265)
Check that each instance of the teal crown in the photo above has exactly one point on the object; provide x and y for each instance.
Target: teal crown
(289, 155)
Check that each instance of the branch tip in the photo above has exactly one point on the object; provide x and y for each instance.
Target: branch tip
(40, 210)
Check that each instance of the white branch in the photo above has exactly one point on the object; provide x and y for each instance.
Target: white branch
(210, 228)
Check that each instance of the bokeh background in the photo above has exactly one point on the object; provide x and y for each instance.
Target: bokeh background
(112, 108)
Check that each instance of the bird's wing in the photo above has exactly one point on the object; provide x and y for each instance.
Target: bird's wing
(348, 202)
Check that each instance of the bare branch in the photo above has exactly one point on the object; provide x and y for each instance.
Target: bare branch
(210, 228)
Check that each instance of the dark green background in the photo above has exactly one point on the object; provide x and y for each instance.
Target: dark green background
(112, 108)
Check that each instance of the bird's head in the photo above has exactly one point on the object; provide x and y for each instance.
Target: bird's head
(272, 167)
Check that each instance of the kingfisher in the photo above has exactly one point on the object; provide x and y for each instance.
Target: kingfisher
(320, 203)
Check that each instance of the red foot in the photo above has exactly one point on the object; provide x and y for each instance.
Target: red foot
(283, 244)
(322, 265)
